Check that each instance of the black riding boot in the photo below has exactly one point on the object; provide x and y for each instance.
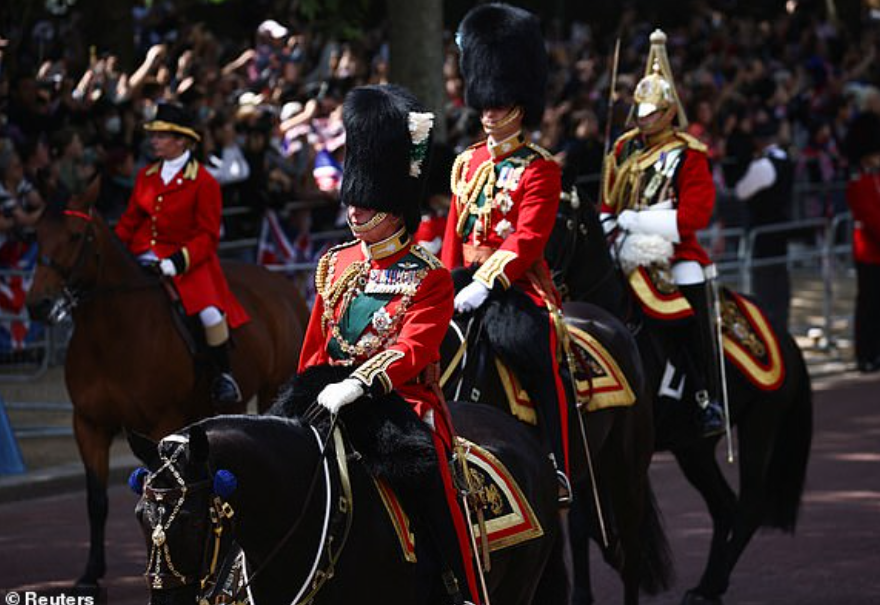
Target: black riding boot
(436, 520)
(224, 388)
(703, 352)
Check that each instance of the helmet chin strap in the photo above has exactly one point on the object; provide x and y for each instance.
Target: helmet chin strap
(512, 115)
(661, 125)
(368, 226)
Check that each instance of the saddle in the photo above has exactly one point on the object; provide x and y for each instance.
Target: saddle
(501, 515)
(189, 328)
(749, 340)
(502, 341)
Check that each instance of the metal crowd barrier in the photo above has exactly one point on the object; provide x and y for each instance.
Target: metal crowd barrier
(732, 249)
(829, 250)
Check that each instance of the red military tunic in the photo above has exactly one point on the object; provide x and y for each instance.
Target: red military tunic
(675, 170)
(502, 214)
(384, 309)
(386, 315)
(863, 197)
(183, 216)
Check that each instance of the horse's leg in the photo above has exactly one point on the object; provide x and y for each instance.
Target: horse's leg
(755, 441)
(701, 469)
(579, 526)
(94, 450)
(626, 485)
(554, 585)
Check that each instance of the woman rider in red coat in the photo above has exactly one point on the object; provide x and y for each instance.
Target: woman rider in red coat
(173, 219)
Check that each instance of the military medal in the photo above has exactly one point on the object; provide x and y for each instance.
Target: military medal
(381, 320)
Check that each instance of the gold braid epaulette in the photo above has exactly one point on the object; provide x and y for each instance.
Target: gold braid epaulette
(424, 255)
(539, 150)
(692, 142)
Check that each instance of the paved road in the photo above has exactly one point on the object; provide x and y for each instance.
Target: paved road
(834, 557)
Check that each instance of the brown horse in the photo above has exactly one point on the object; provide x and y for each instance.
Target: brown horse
(128, 365)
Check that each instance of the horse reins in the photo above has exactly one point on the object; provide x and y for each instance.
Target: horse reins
(316, 577)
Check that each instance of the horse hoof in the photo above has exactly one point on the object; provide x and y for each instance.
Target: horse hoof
(692, 597)
(87, 582)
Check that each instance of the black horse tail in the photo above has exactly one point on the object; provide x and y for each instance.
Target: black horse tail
(787, 469)
(656, 570)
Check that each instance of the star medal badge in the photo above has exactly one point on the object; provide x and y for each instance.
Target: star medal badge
(382, 320)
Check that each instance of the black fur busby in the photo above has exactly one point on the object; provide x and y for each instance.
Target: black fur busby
(385, 153)
(503, 60)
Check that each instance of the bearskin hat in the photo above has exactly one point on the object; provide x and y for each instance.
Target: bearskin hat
(503, 60)
(387, 138)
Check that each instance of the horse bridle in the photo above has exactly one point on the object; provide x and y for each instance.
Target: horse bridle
(71, 295)
(161, 572)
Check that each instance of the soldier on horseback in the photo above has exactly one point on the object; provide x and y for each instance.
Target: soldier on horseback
(173, 221)
(658, 192)
(383, 304)
(506, 194)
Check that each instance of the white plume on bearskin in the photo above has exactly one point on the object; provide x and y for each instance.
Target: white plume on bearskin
(643, 250)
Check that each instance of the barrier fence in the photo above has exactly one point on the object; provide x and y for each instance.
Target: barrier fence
(820, 245)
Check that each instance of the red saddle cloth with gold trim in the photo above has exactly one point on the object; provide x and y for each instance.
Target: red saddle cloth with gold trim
(508, 517)
(750, 342)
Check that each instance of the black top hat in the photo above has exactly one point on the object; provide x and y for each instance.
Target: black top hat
(387, 137)
(503, 60)
(174, 118)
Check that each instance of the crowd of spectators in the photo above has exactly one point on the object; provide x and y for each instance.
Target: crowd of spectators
(268, 106)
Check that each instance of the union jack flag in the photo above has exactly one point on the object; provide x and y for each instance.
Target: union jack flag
(17, 261)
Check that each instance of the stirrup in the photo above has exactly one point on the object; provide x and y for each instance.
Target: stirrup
(565, 495)
(711, 415)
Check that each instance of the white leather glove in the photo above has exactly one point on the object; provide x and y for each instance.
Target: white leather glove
(471, 297)
(662, 222)
(339, 394)
(166, 266)
(627, 220)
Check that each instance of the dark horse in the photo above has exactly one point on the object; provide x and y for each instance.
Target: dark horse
(128, 364)
(620, 439)
(307, 515)
(774, 427)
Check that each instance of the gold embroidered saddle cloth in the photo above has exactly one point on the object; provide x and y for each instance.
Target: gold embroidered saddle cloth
(750, 343)
(508, 517)
(599, 381)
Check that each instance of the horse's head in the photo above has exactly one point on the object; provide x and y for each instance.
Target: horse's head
(67, 260)
(578, 254)
(182, 512)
